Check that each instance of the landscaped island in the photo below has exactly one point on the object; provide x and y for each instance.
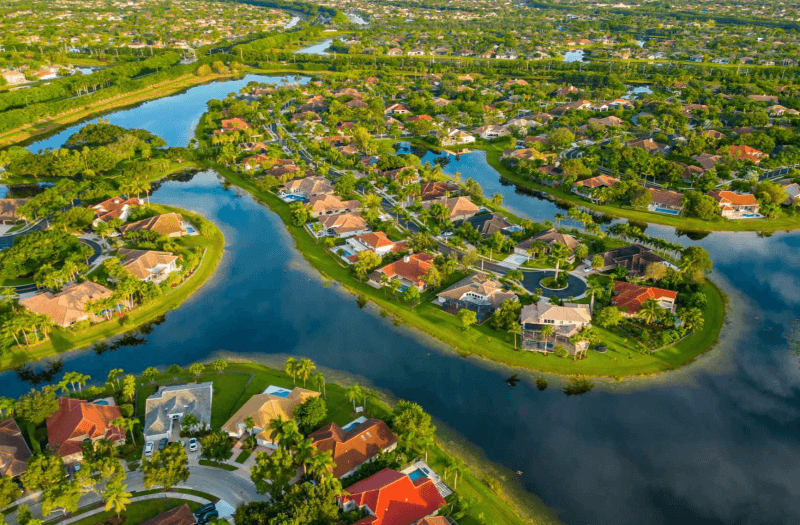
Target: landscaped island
(434, 253)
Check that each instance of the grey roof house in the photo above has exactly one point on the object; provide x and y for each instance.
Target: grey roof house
(172, 403)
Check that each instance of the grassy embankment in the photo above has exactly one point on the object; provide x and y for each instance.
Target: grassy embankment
(241, 381)
(65, 340)
(625, 211)
(621, 360)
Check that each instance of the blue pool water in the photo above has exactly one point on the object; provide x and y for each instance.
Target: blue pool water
(281, 393)
(190, 230)
(290, 197)
(667, 211)
(751, 215)
(101, 402)
(416, 474)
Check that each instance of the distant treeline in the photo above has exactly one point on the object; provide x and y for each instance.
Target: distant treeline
(306, 8)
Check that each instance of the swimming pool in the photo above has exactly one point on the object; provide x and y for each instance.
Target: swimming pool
(100, 402)
(290, 197)
(667, 211)
(190, 230)
(750, 215)
(416, 474)
(277, 391)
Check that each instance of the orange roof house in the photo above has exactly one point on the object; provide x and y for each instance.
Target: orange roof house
(169, 224)
(329, 204)
(182, 515)
(343, 225)
(148, 265)
(14, 451)
(67, 307)
(355, 447)
(744, 152)
(409, 270)
(735, 204)
(113, 208)
(461, 208)
(628, 297)
(232, 124)
(76, 421)
(393, 499)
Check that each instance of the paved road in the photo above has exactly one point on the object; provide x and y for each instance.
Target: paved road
(486, 265)
(576, 286)
(96, 248)
(412, 226)
(7, 241)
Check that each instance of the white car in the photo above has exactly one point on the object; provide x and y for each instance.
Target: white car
(148, 448)
(193, 445)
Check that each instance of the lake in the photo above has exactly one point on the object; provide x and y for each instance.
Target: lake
(714, 444)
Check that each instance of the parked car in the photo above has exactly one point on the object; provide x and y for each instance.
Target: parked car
(208, 507)
(148, 448)
(193, 445)
(163, 444)
(208, 517)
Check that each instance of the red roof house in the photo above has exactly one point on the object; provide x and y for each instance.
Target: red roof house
(629, 297)
(410, 270)
(77, 420)
(357, 446)
(391, 498)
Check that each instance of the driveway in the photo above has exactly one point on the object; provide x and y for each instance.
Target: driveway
(576, 286)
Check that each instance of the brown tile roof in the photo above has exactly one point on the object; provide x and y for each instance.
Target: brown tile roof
(67, 306)
(352, 448)
(552, 236)
(744, 152)
(667, 197)
(182, 515)
(707, 160)
(331, 203)
(8, 208)
(77, 420)
(141, 262)
(344, 223)
(263, 408)
(635, 257)
(167, 224)
(411, 267)
(569, 313)
(631, 296)
(375, 240)
(598, 181)
(112, 208)
(310, 185)
(458, 206)
(434, 190)
(14, 451)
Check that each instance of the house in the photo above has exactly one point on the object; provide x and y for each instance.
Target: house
(516, 155)
(113, 208)
(456, 137)
(586, 187)
(357, 445)
(610, 121)
(635, 258)
(666, 201)
(491, 132)
(619, 103)
(736, 205)
(405, 175)
(148, 265)
(550, 238)
(308, 186)
(477, 292)
(707, 160)
(77, 421)
(9, 213)
(167, 407)
(397, 109)
(488, 223)
(182, 515)
(744, 152)
(419, 118)
(713, 134)
(274, 402)
(410, 271)
(169, 224)
(566, 320)
(232, 124)
(792, 192)
(329, 204)
(628, 297)
(764, 98)
(256, 147)
(438, 189)
(649, 145)
(566, 91)
(68, 306)
(14, 78)
(342, 225)
(14, 451)
(377, 242)
(461, 208)
(392, 498)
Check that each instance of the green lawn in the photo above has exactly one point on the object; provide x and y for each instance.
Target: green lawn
(241, 458)
(139, 511)
(65, 340)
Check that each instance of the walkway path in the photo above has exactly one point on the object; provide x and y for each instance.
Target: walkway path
(134, 499)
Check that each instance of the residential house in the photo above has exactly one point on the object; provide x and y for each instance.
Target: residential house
(164, 411)
(357, 445)
(182, 515)
(610, 121)
(477, 292)
(566, 320)
(169, 224)
(113, 208)
(392, 498)
(263, 408)
(456, 137)
(619, 103)
(377, 242)
(410, 271)
(491, 131)
(405, 175)
(438, 190)
(14, 451)
(397, 109)
(650, 146)
(707, 160)
(255, 147)
(148, 265)
(308, 187)
(635, 258)
(68, 306)
(461, 208)
(232, 124)
(771, 99)
(488, 223)
(329, 204)
(77, 421)
(9, 210)
(342, 225)
(736, 205)
(713, 134)
(516, 155)
(744, 152)
(666, 201)
(628, 297)
(792, 191)
(585, 188)
(14, 78)
(549, 238)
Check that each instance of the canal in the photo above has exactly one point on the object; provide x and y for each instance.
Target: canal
(714, 444)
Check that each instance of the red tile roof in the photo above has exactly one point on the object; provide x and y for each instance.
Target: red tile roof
(355, 447)
(77, 420)
(744, 152)
(631, 296)
(412, 267)
(596, 182)
(112, 208)
(394, 498)
(736, 199)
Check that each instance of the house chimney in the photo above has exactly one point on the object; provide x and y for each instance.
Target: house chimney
(406, 259)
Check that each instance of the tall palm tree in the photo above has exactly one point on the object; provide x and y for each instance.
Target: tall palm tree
(278, 428)
(559, 253)
(117, 496)
(304, 369)
(354, 392)
(650, 311)
(304, 453)
(321, 465)
(7, 407)
(320, 383)
(290, 367)
(594, 288)
(547, 332)
(516, 329)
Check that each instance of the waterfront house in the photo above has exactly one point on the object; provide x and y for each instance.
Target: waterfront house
(628, 297)
(566, 321)
(585, 188)
(549, 238)
(342, 225)
(14, 451)
(113, 208)
(68, 306)
(231, 125)
(78, 421)
(377, 242)
(164, 411)
(148, 265)
(393, 498)
(308, 187)
(361, 443)
(410, 271)
(9, 210)
(635, 258)
(491, 131)
(456, 137)
(488, 223)
(736, 205)
(477, 292)
(169, 224)
(263, 408)
(329, 204)
(438, 189)
(461, 208)
(666, 201)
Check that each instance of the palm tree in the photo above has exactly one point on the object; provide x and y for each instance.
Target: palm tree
(515, 329)
(594, 288)
(196, 369)
(304, 369)
(322, 464)
(320, 383)
(304, 452)
(127, 425)
(650, 311)
(559, 253)
(117, 496)
(113, 376)
(150, 374)
(369, 396)
(558, 217)
(547, 332)
(278, 428)
(354, 392)
(291, 368)
(7, 407)
(82, 379)
(692, 318)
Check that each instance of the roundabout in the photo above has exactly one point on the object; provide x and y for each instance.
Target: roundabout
(532, 280)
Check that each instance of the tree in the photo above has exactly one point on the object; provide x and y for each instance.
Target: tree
(129, 386)
(655, 272)
(560, 138)
(598, 263)
(412, 423)
(219, 365)
(174, 371)
(497, 199)
(354, 392)
(9, 491)
(515, 330)
(700, 205)
(580, 252)
(116, 495)
(695, 259)
(594, 288)
(310, 414)
(196, 369)
(691, 318)
(271, 474)
(113, 377)
(559, 253)
(367, 261)
(36, 406)
(432, 277)
(467, 318)
(291, 368)
(305, 368)
(411, 295)
(608, 317)
(547, 333)
(216, 446)
(127, 425)
(167, 467)
(150, 374)
(43, 472)
(650, 311)
(189, 423)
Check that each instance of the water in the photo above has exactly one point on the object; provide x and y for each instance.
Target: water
(316, 49)
(637, 90)
(293, 22)
(714, 444)
(184, 111)
(574, 56)
(356, 19)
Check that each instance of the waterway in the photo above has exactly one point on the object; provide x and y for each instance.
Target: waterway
(316, 49)
(714, 444)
